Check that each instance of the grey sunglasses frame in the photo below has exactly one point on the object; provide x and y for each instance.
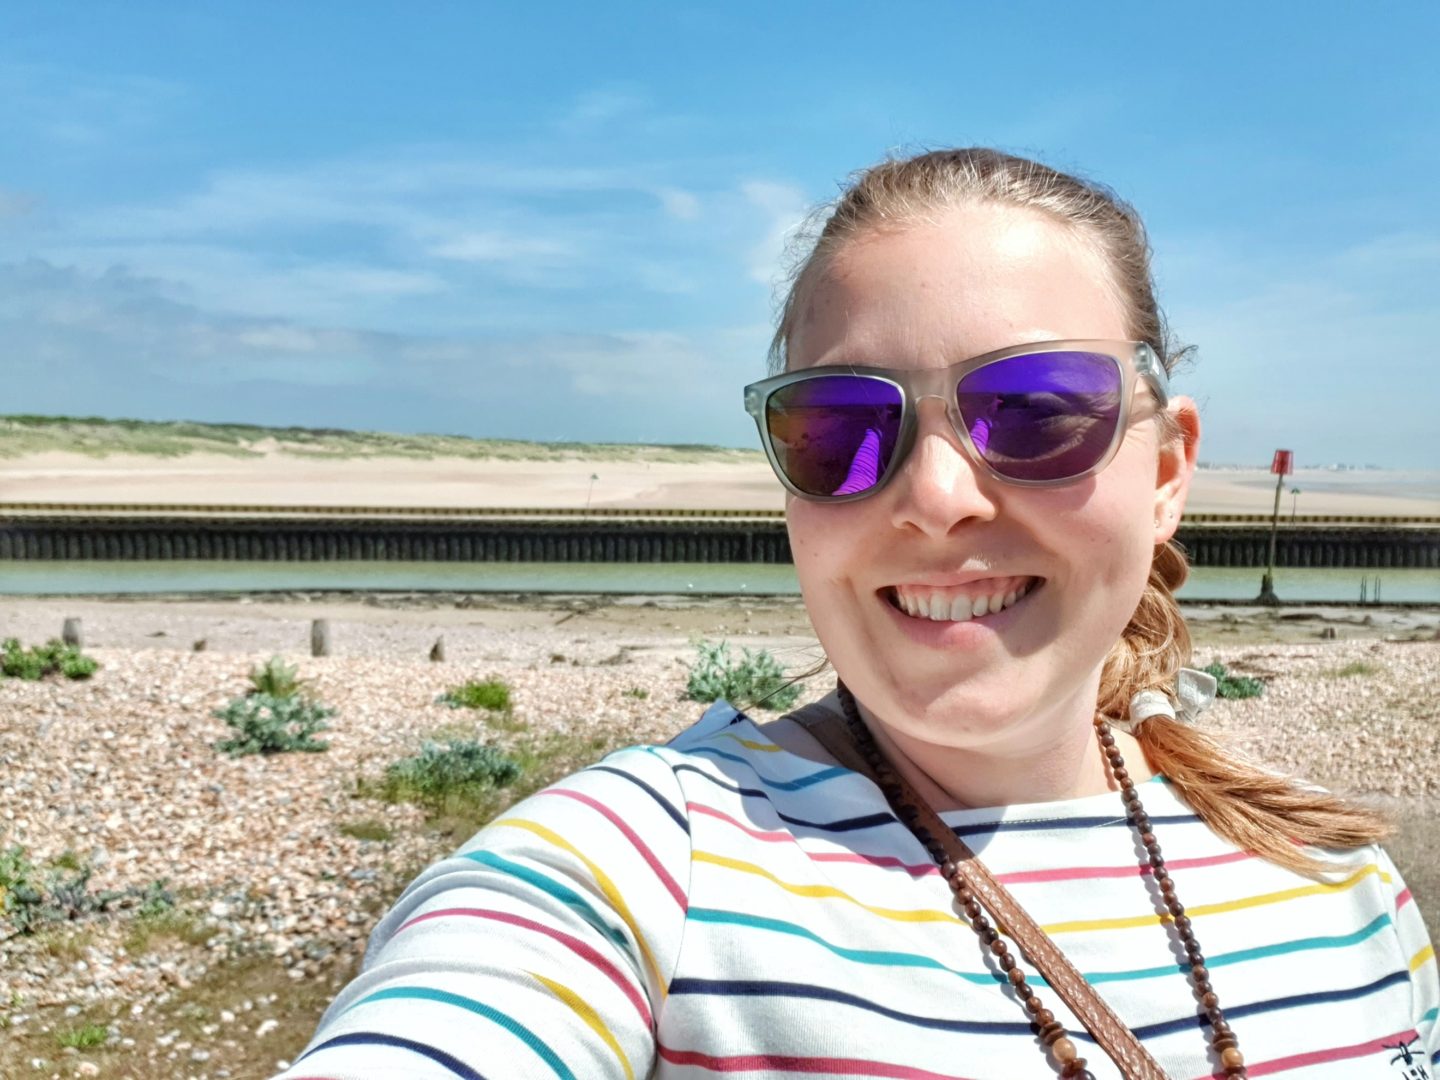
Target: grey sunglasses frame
(1135, 360)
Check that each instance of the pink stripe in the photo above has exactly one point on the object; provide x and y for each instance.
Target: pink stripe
(1072, 873)
(913, 869)
(1320, 1057)
(569, 941)
(645, 853)
(1403, 899)
(773, 1062)
(1022, 877)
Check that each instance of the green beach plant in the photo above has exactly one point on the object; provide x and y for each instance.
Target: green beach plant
(754, 678)
(277, 679)
(17, 662)
(492, 695)
(1233, 686)
(266, 724)
(459, 769)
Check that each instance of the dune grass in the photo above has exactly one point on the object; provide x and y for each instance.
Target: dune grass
(23, 434)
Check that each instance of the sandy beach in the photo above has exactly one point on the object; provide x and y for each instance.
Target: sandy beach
(278, 479)
(279, 865)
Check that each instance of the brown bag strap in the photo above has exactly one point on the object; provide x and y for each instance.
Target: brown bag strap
(1114, 1037)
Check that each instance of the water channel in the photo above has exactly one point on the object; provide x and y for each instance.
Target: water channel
(83, 577)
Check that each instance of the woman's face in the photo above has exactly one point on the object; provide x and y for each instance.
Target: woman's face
(973, 280)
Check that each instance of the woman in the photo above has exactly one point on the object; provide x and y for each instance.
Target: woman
(972, 416)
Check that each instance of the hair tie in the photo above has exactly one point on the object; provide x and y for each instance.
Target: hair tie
(1194, 691)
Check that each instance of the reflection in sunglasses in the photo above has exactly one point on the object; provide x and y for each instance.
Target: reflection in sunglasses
(864, 467)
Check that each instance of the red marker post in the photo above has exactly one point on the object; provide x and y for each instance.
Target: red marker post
(1282, 465)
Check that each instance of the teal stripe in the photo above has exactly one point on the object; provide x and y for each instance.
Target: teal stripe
(1240, 956)
(509, 1023)
(781, 785)
(860, 956)
(1430, 1014)
(567, 896)
(915, 960)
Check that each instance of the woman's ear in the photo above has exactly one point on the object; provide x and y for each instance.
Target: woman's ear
(1179, 446)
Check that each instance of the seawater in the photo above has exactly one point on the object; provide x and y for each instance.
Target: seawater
(19, 578)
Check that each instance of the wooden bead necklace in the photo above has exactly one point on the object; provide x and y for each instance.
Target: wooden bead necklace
(1051, 1031)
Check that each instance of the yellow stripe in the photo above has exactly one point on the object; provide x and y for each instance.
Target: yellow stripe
(1216, 909)
(586, 1013)
(825, 891)
(606, 886)
(1427, 953)
(751, 744)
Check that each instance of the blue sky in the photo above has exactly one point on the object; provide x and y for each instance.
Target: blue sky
(565, 221)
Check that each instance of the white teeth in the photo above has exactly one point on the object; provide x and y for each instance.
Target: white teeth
(937, 608)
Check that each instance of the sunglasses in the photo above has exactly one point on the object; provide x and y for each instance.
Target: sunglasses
(1037, 415)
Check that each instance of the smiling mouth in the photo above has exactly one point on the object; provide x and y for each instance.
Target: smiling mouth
(964, 603)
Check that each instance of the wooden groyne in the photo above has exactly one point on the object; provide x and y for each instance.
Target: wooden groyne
(414, 535)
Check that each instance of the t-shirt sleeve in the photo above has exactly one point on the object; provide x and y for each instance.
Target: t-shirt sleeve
(1419, 954)
(542, 948)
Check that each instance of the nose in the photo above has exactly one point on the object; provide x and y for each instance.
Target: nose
(939, 487)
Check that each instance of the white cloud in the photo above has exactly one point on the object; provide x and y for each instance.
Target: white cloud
(74, 110)
(784, 207)
(498, 247)
(1331, 356)
(678, 204)
(118, 344)
(595, 108)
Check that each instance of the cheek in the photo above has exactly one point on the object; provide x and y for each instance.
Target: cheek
(828, 551)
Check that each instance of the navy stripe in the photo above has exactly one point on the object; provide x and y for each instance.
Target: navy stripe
(988, 827)
(675, 815)
(375, 1038)
(1233, 1012)
(799, 783)
(762, 988)
(868, 821)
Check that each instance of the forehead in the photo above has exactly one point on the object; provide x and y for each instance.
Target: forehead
(973, 279)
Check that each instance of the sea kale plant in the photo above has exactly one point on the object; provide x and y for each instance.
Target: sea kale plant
(754, 678)
(266, 724)
(276, 715)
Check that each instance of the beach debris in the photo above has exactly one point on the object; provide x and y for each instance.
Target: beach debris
(201, 644)
(320, 637)
(437, 651)
(1327, 633)
(70, 634)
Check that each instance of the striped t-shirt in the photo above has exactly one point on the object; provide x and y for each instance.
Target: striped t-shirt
(720, 906)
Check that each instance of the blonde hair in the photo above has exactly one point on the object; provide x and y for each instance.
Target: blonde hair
(1264, 812)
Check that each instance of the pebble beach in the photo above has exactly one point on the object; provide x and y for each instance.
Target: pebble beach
(277, 866)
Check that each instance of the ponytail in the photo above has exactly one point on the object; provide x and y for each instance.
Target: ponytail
(1269, 814)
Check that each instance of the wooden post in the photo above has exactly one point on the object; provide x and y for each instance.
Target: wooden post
(70, 634)
(1280, 466)
(320, 637)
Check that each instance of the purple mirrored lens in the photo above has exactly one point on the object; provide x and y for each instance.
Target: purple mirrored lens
(1043, 416)
(834, 434)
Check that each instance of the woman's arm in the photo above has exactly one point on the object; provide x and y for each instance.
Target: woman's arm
(542, 948)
